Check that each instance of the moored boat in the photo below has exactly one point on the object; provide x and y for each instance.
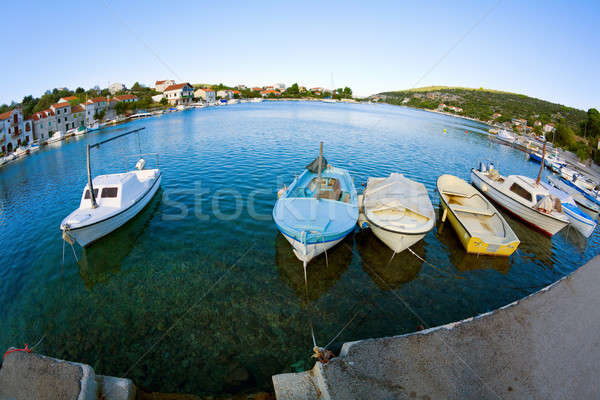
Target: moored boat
(588, 206)
(577, 218)
(56, 137)
(397, 210)
(317, 210)
(506, 136)
(479, 226)
(109, 201)
(522, 197)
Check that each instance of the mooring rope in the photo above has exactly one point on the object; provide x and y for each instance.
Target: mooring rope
(433, 266)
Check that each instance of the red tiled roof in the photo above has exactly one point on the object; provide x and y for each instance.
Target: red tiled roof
(96, 100)
(5, 115)
(176, 86)
(60, 105)
(77, 108)
(269, 91)
(161, 82)
(256, 89)
(236, 92)
(69, 98)
(125, 97)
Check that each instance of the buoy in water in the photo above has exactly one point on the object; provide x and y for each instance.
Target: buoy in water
(444, 130)
(466, 132)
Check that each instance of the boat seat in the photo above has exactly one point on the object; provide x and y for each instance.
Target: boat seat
(487, 213)
(331, 192)
(447, 192)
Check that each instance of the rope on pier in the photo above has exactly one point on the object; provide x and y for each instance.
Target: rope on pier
(26, 349)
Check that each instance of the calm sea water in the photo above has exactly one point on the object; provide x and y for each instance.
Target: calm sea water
(200, 293)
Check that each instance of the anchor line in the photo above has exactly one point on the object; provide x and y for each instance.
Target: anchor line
(433, 266)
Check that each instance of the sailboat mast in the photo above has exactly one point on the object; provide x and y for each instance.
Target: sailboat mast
(539, 177)
(320, 160)
(89, 174)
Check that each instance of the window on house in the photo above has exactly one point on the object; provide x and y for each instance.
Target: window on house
(58, 111)
(109, 192)
(519, 190)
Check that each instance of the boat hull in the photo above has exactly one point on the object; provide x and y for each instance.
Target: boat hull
(545, 223)
(90, 233)
(398, 242)
(582, 224)
(307, 251)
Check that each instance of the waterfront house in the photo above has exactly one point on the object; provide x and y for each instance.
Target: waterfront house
(64, 119)
(157, 98)
(127, 98)
(225, 94)
(93, 107)
(13, 131)
(241, 87)
(270, 92)
(44, 124)
(280, 86)
(256, 89)
(206, 94)
(116, 87)
(181, 93)
(302, 89)
(317, 89)
(160, 86)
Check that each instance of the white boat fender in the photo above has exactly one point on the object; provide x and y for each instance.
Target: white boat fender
(140, 164)
(484, 187)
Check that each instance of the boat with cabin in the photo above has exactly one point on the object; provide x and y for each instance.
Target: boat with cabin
(397, 210)
(506, 136)
(523, 197)
(479, 226)
(109, 201)
(588, 206)
(577, 217)
(317, 210)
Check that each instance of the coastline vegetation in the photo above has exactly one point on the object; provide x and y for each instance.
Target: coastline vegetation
(576, 130)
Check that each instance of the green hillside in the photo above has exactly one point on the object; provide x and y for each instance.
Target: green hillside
(484, 103)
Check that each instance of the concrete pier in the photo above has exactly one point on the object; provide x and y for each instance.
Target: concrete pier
(26, 376)
(545, 346)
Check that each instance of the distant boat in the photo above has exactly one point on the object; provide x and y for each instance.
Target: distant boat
(56, 137)
(578, 184)
(397, 210)
(317, 210)
(94, 126)
(109, 201)
(256, 100)
(578, 219)
(479, 226)
(233, 101)
(522, 197)
(21, 151)
(506, 136)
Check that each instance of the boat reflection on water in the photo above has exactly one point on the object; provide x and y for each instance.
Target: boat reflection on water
(574, 237)
(464, 261)
(322, 273)
(386, 272)
(103, 259)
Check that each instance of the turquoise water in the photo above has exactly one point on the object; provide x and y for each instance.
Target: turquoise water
(200, 293)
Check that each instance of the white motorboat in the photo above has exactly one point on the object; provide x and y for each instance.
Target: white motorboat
(256, 100)
(578, 219)
(317, 210)
(397, 209)
(94, 126)
(506, 136)
(109, 201)
(233, 101)
(33, 147)
(523, 197)
(56, 137)
(21, 151)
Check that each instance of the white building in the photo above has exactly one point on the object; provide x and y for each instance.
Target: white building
(280, 86)
(548, 128)
(225, 94)
(14, 131)
(157, 98)
(207, 95)
(116, 87)
(64, 119)
(44, 124)
(160, 86)
(93, 107)
(181, 93)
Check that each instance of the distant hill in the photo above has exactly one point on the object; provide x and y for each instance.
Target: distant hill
(484, 103)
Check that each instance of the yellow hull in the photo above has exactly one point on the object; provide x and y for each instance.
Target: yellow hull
(474, 245)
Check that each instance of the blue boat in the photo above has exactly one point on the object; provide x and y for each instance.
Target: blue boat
(577, 217)
(317, 210)
(592, 196)
(535, 157)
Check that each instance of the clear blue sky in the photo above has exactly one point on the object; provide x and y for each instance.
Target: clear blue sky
(549, 50)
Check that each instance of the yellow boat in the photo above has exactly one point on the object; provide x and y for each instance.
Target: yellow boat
(479, 226)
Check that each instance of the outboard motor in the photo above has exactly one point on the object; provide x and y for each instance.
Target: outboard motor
(482, 167)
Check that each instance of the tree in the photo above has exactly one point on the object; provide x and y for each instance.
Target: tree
(137, 87)
(121, 107)
(592, 128)
(164, 101)
(347, 92)
(79, 90)
(564, 135)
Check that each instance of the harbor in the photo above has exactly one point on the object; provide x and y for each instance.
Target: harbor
(202, 275)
